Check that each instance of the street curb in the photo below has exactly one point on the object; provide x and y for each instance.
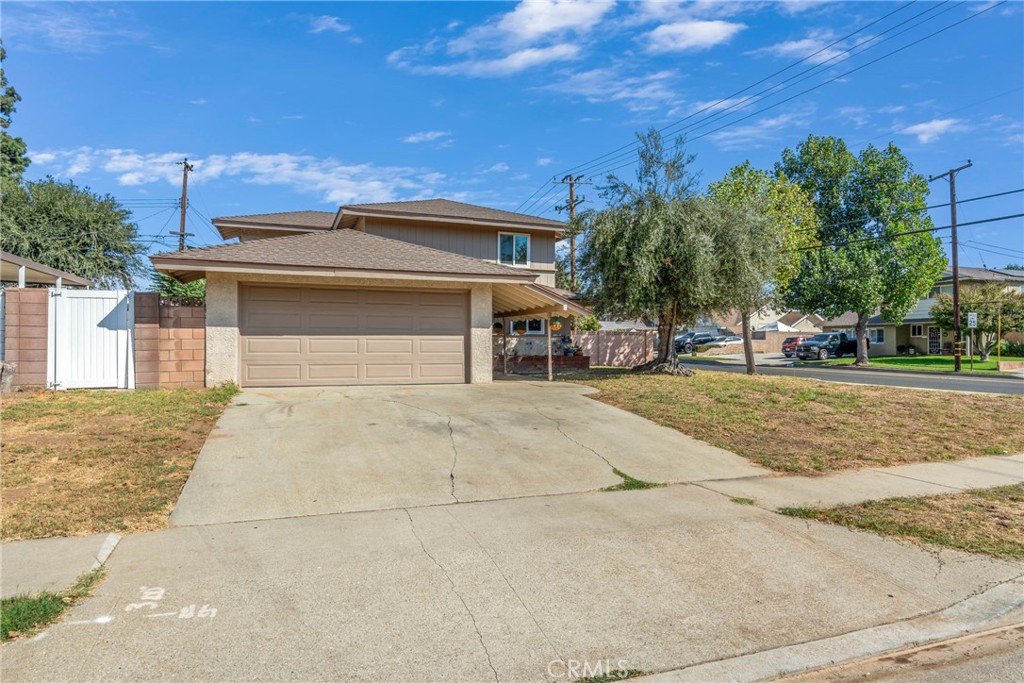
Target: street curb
(999, 605)
(105, 550)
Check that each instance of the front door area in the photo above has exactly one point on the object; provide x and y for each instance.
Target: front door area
(934, 341)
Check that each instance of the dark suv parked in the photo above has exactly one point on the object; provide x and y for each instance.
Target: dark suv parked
(688, 342)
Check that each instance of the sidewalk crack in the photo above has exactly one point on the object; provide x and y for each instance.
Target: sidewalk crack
(451, 440)
(558, 426)
(451, 584)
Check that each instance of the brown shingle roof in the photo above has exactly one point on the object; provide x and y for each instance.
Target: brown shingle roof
(446, 208)
(298, 219)
(341, 250)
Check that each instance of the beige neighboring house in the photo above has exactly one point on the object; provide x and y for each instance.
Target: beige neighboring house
(771, 321)
(393, 293)
(918, 328)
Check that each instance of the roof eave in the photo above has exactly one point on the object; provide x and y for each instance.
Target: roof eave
(175, 267)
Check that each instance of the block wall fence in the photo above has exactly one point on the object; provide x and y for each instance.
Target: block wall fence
(170, 344)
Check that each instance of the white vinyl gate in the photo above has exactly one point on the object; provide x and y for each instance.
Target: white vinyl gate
(90, 339)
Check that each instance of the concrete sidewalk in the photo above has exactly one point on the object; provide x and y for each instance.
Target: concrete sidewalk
(920, 479)
(51, 564)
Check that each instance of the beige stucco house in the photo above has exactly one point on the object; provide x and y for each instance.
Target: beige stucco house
(918, 328)
(394, 293)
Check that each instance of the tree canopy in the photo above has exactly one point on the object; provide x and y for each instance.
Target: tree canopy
(877, 251)
(73, 229)
(650, 254)
(13, 159)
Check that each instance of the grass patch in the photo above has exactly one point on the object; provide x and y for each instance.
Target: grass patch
(743, 501)
(924, 363)
(81, 462)
(23, 615)
(804, 426)
(629, 483)
(985, 521)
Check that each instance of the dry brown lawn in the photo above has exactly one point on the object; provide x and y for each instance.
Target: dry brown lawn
(807, 427)
(80, 462)
(988, 521)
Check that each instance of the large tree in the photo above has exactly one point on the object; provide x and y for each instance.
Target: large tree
(769, 221)
(999, 309)
(877, 252)
(13, 160)
(650, 254)
(63, 226)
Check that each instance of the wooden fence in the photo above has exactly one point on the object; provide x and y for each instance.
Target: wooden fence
(617, 349)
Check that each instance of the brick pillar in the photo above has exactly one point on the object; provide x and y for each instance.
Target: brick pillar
(26, 334)
(147, 343)
(182, 346)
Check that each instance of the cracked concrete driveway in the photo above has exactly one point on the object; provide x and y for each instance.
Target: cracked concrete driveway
(279, 453)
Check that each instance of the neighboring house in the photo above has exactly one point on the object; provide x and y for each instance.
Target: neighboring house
(918, 328)
(628, 326)
(772, 321)
(393, 293)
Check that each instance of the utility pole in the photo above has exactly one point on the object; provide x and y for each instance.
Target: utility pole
(185, 168)
(572, 182)
(950, 175)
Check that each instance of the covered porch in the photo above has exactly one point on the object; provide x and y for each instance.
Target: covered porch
(511, 303)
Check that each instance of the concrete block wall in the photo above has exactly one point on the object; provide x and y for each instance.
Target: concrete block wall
(170, 344)
(25, 334)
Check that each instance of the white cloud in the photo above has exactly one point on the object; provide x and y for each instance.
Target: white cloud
(512, 63)
(534, 33)
(544, 161)
(331, 180)
(857, 114)
(930, 131)
(84, 28)
(293, 117)
(197, 101)
(817, 48)
(639, 93)
(427, 136)
(759, 133)
(499, 167)
(327, 23)
(892, 109)
(683, 36)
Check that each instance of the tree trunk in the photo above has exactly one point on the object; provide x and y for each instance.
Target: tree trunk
(667, 360)
(862, 340)
(748, 345)
(986, 343)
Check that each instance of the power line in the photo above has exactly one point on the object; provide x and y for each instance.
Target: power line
(877, 238)
(779, 87)
(831, 80)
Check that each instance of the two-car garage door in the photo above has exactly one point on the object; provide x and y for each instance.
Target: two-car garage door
(308, 336)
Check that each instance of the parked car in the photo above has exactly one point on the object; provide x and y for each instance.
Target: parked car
(726, 341)
(686, 344)
(826, 344)
(790, 343)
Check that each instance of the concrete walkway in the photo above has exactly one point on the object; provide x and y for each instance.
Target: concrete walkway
(51, 564)
(921, 479)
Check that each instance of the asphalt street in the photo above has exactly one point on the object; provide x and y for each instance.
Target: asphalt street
(987, 384)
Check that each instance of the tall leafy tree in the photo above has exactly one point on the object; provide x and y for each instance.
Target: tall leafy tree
(876, 252)
(650, 254)
(769, 221)
(999, 309)
(74, 229)
(13, 159)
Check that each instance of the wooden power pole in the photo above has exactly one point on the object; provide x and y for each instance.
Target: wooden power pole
(958, 347)
(572, 182)
(185, 169)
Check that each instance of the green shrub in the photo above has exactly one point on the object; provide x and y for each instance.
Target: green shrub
(1012, 348)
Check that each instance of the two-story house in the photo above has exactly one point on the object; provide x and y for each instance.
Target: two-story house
(918, 328)
(393, 293)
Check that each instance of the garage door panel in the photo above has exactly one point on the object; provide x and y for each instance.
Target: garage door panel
(294, 336)
(327, 345)
(273, 345)
(319, 371)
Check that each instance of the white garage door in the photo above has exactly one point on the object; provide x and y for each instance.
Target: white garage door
(309, 336)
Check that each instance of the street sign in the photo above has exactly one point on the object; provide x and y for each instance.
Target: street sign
(972, 320)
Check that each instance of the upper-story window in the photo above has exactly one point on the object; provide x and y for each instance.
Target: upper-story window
(513, 249)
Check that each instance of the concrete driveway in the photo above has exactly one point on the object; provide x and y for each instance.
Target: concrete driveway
(279, 453)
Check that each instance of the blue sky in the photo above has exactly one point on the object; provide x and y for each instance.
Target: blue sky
(288, 106)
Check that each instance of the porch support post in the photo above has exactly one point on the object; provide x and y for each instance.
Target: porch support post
(504, 343)
(59, 283)
(550, 369)
(21, 276)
